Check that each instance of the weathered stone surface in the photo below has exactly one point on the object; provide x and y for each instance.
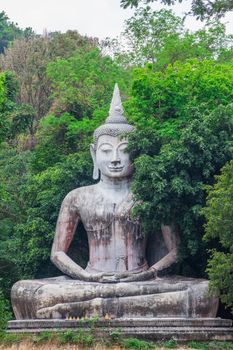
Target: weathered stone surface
(182, 329)
(117, 280)
(64, 297)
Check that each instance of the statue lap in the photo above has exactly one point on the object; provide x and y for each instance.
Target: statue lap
(63, 297)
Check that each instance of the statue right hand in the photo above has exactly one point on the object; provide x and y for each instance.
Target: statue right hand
(101, 277)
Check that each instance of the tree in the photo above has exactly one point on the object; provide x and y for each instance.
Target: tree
(210, 42)
(171, 174)
(9, 31)
(13, 118)
(147, 32)
(5, 311)
(3, 124)
(170, 99)
(84, 82)
(202, 9)
(159, 37)
(184, 138)
(28, 58)
(219, 227)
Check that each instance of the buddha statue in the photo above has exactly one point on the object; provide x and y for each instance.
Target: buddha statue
(117, 279)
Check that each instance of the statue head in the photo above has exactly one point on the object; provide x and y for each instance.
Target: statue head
(110, 142)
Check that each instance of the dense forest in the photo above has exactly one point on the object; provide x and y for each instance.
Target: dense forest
(177, 89)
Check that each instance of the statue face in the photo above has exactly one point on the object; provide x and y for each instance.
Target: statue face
(111, 157)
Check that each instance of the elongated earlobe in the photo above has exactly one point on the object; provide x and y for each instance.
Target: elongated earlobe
(95, 173)
(95, 170)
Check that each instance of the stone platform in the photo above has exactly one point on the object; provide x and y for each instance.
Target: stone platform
(157, 329)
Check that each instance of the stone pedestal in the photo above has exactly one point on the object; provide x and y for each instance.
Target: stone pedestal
(156, 329)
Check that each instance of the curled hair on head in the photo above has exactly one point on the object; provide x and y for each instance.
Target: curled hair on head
(112, 131)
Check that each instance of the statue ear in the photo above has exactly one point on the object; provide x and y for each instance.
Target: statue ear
(95, 170)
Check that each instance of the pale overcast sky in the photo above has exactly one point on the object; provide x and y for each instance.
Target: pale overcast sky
(97, 18)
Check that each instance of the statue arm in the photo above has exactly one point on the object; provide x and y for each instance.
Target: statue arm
(171, 240)
(65, 229)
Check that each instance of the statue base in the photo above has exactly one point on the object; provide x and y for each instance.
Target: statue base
(156, 329)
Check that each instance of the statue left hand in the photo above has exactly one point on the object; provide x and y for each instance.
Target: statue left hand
(129, 276)
(141, 276)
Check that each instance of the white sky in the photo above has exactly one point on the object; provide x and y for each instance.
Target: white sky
(96, 18)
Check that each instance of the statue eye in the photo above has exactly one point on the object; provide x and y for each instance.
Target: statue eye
(123, 147)
(105, 149)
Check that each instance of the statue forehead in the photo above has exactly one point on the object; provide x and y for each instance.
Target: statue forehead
(112, 140)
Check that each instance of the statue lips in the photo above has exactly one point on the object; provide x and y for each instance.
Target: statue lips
(116, 169)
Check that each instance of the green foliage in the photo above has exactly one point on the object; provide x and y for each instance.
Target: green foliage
(44, 337)
(64, 45)
(210, 42)
(159, 37)
(30, 70)
(181, 91)
(10, 31)
(217, 345)
(219, 210)
(9, 339)
(170, 344)
(84, 82)
(136, 344)
(201, 9)
(81, 337)
(170, 182)
(4, 311)
(198, 345)
(115, 336)
(214, 345)
(147, 32)
(12, 209)
(14, 118)
(3, 124)
(219, 227)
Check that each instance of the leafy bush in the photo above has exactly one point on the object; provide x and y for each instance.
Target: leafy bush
(170, 177)
(136, 344)
(219, 227)
(80, 337)
(4, 312)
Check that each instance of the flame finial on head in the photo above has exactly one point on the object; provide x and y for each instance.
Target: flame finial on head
(116, 110)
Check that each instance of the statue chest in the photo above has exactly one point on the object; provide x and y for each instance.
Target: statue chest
(116, 242)
(105, 220)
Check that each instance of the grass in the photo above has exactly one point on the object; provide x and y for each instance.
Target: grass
(170, 344)
(84, 339)
(80, 337)
(136, 344)
(214, 345)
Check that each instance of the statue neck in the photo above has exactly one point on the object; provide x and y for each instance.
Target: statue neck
(118, 185)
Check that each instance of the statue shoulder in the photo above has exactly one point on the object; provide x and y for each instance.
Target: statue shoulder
(80, 195)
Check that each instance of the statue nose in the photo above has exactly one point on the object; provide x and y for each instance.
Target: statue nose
(115, 160)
